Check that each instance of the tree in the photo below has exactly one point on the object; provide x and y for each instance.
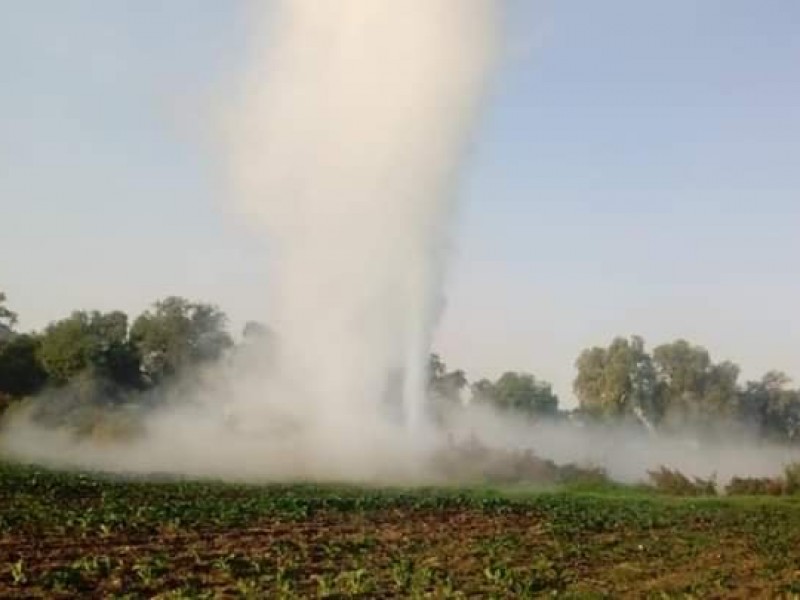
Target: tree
(523, 392)
(618, 381)
(178, 334)
(253, 330)
(769, 408)
(8, 319)
(783, 416)
(90, 342)
(21, 373)
(682, 368)
(519, 392)
(67, 347)
(259, 340)
(720, 391)
(444, 384)
(483, 389)
(696, 390)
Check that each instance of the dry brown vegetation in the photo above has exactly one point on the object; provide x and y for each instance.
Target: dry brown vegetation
(672, 481)
(473, 462)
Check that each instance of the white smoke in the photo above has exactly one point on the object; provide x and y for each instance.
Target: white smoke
(346, 149)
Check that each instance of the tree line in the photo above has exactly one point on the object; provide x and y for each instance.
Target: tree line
(678, 387)
(105, 354)
(105, 358)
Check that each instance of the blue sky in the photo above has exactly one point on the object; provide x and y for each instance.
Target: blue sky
(636, 172)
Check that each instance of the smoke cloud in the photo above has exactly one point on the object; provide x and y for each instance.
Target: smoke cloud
(346, 149)
(344, 146)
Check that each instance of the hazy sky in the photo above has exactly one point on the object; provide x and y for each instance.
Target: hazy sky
(637, 172)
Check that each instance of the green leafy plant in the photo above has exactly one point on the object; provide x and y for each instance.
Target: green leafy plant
(18, 572)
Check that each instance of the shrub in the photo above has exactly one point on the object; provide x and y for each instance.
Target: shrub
(471, 460)
(580, 476)
(672, 481)
(755, 486)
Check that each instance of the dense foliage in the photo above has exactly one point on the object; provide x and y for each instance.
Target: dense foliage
(92, 360)
(679, 387)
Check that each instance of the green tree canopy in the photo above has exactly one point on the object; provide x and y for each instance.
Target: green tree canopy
(8, 318)
(442, 383)
(618, 381)
(695, 388)
(21, 373)
(770, 407)
(178, 333)
(89, 342)
(518, 392)
(682, 368)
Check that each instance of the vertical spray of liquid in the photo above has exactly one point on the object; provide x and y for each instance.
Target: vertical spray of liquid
(346, 149)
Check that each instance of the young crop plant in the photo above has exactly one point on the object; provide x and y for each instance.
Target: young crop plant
(326, 584)
(149, 569)
(249, 589)
(237, 565)
(18, 575)
(402, 571)
(496, 574)
(355, 582)
(96, 566)
(284, 582)
(423, 579)
(65, 579)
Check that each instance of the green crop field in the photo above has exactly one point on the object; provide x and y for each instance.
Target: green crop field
(81, 535)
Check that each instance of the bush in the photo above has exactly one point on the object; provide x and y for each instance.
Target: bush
(471, 460)
(755, 486)
(576, 475)
(672, 481)
(767, 486)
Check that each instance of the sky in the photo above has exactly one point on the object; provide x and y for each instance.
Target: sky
(635, 172)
